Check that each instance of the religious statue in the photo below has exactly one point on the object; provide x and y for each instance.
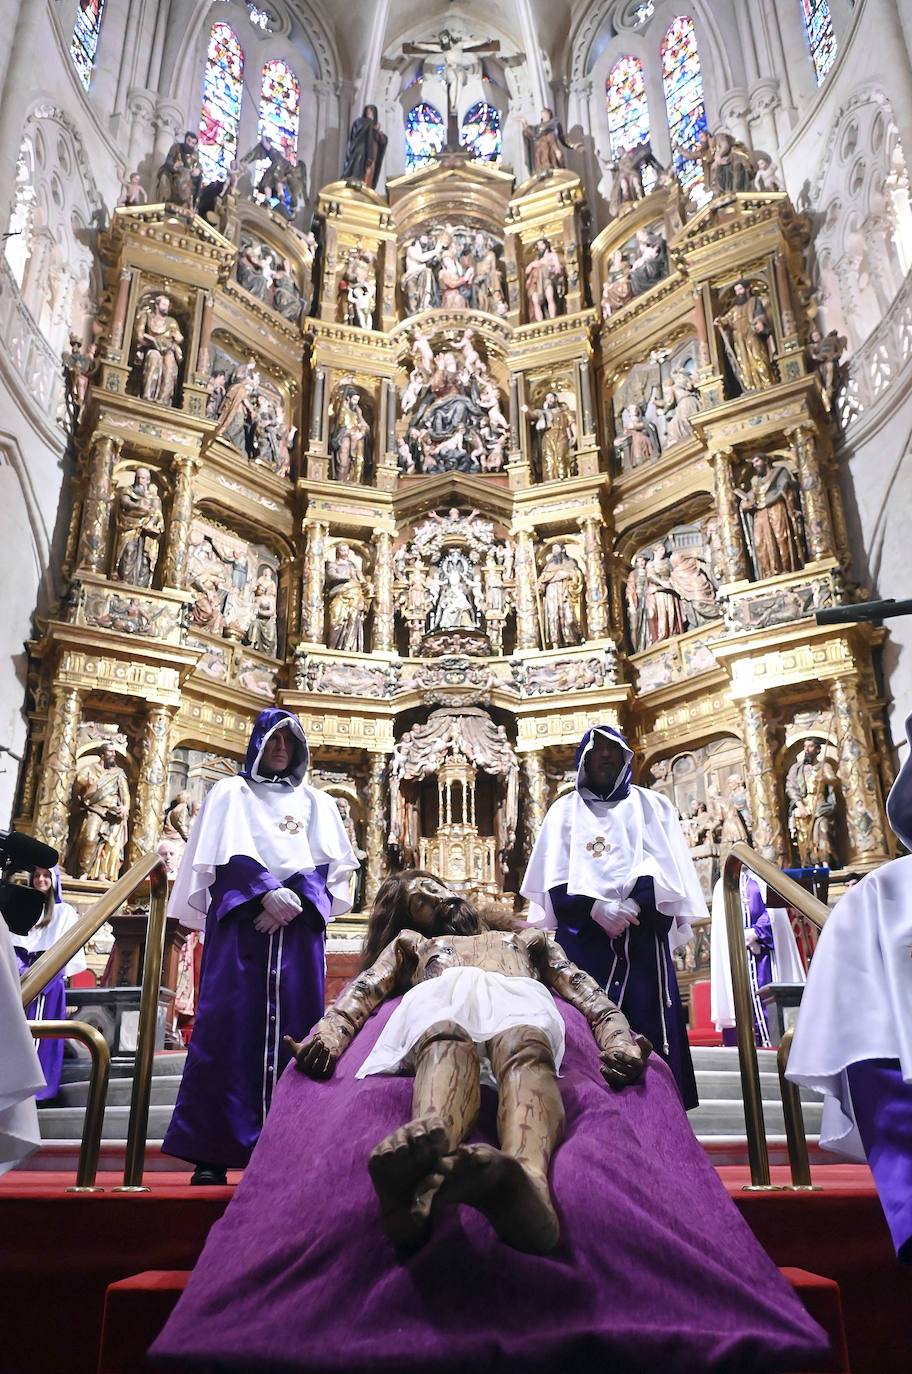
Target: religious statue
(132, 192)
(180, 816)
(349, 595)
(102, 804)
(180, 175)
(653, 602)
(488, 289)
(616, 289)
(680, 400)
(560, 584)
(772, 519)
(356, 878)
(731, 168)
(454, 278)
(349, 439)
(546, 282)
(635, 596)
(458, 59)
(555, 428)
(546, 142)
(358, 285)
(281, 184)
(747, 325)
(651, 262)
(703, 153)
(262, 633)
(456, 592)
(79, 366)
(824, 353)
(767, 174)
(158, 350)
(419, 279)
(639, 443)
(695, 588)
(810, 789)
(735, 812)
(138, 524)
(254, 269)
(236, 413)
(366, 146)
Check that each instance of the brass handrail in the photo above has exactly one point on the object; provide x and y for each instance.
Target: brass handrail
(90, 1145)
(799, 1163)
(54, 960)
(743, 856)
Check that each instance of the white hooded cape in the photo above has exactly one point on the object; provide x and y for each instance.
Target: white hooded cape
(787, 965)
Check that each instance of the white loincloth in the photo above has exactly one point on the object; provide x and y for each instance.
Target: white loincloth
(482, 1003)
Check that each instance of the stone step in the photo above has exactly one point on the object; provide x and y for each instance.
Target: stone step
(163, 1092)
(711, 1057)
(722, 1116)
(65, 1123)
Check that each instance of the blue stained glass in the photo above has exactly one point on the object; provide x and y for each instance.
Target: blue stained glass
(480, 132)
(424, 136)
(683, 84)
(221, 112)
(85, 39)
(818, 26)
(628, 110)
(280, 108)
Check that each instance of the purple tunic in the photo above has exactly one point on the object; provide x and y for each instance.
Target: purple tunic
(655, 1269)
(254, 990)
(883, 1112)
(49, 1005)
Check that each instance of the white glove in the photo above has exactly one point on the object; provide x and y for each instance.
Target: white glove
(751, 940)
(281, 904)
(615, 915)
(265, 924)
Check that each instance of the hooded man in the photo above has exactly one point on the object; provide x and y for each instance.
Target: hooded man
(265, 869)
(612, 875)
(853, 1040)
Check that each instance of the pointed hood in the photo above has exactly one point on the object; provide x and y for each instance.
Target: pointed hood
(265, 725)
(621, 788)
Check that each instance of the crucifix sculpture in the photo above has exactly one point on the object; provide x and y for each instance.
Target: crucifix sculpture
(459, 60)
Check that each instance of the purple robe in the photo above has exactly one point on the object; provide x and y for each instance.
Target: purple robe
(254, 990)
(883, 1112)
(49, 1005)
(655, 1269)
(759, 966)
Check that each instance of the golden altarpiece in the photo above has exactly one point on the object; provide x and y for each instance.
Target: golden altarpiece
(453, 483)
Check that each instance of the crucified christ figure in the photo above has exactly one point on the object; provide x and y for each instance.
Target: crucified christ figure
(458, 58)
(474, 996)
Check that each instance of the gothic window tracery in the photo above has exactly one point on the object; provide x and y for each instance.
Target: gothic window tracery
(280, 108)
(222, 92)
(818, 27)
(424, 135)
(481, 133)
(628, 110)
(682, 81)
(84, 45)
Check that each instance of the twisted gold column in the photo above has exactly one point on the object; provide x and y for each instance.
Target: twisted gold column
(865, 820)
(177, 544)
(377, 829)
(769, 834)
(58, 769)
(151, 784)
(734, 552)
(96, 507)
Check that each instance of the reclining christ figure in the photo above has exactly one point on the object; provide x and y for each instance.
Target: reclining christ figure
(469, 992)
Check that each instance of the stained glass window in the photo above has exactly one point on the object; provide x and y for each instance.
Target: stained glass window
(221, 113)
(424, 136)
(280, 108)
(85, 39)
(818, 26)
(683, 83)
(642, 13)
(628, 111)
(480, 132)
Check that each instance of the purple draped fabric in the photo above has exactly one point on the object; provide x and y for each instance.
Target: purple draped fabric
(49, 1005)
(655, 1269)
(883, 1111)
(254, 990)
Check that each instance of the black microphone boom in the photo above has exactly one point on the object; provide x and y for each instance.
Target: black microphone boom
(871, 611)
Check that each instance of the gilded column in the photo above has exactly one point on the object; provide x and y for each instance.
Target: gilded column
(817, 523)
(586, 396)
(383, 590)
(316, 416)
(58, 769)
(514, 412)
(202, 357)
(596, 585)
(118, 319)
(865, 820)
(734, 552)
(151, 783)
(533, 767)
(377, 829)
(177, 546)
(96, 508)
(391, 400)
(527, 614)
(769, 835)
(784, 291)
(882, 754)
(314, 563)
(700, 326)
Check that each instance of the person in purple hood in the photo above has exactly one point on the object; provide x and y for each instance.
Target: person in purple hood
(611, 874)
(266, 867)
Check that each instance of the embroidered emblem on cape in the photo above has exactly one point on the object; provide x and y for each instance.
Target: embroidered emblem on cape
(598, 847)
(291, 825)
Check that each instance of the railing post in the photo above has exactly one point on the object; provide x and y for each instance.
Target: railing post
(799, 1163)
(90, 1146)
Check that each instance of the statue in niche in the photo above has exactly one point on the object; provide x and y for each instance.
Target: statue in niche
(102, 803)
(358, 286)
(366, 146)
(356, 879)
(653, 602)
(307, 244)
(267, 433)
(349, 439)
(215, 394)
(454, 279)
(616, 289)
(546, 142)
(131, 188)
(695, 588)
(206, 611)
(680, 400)
(651, 262)
(180, 817)
(158, 351)
(746, 333)
(236, 413)
(349, 595)
(494, 602)
(639, 443)
(419, 276)
(287, 300)
(138, 524)
(546, 282)
(635, 595)
(772, 518)
(456, 592)
(825, 353)
(254, 269)
(810, 789)
(555, 429)
(734, 811)
(767, 174)
(456, 420)
(560, 584)
(180, 176)
(488, 289)
(731, 168)
(262, 633)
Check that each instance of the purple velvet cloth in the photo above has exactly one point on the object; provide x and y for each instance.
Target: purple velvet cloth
(254, 990)
(883, 1111)
(655, 1270)
(49, 1005)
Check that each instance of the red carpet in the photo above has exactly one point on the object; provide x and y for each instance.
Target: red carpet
(62, 1250)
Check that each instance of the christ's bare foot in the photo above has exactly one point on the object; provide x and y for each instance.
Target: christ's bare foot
(516, 1202)
(397, 1166)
